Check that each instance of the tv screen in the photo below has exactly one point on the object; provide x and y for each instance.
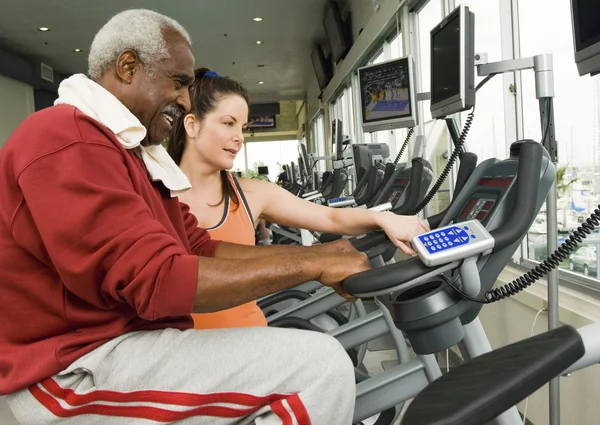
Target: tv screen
(263, 121)
(453, 63)
(586, 15)
(445, 61)
(387, 95)
(321, 66)
(385, 91)
(336, 31)
(263, 170)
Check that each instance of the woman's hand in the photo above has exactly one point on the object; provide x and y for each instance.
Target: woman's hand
(401, 229)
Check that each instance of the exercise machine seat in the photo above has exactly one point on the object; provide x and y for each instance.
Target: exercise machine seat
(481, 389)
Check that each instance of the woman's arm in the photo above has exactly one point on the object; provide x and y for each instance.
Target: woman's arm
(275, 204)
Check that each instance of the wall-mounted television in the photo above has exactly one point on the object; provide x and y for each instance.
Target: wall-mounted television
(322, 66)
(387, 95)
(586, 35)
(336, 31)
(262, 121)
(453, 63)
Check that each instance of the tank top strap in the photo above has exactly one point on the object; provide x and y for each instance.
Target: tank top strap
(240, 194)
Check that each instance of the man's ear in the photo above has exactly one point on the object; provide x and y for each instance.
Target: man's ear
(128, 63)
(191, 125)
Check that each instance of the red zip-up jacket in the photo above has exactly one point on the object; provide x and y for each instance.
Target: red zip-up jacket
(90, 248)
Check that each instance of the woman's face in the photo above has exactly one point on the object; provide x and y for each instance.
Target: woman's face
(220, 135)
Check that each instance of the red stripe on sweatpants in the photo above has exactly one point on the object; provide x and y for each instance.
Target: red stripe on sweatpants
(143, 412)
(280, 410)
(152, 396)
(298, 409)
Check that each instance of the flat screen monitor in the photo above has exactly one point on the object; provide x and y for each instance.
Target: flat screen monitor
(453, 63)
(321, 66)
(387, 95)
(337, 138)
(336, 31)
(263, 171)
(586, 35)
(367, 154)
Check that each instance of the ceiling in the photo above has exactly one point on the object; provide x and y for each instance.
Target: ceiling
(223, 34)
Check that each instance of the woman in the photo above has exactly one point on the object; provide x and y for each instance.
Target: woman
(205, 142)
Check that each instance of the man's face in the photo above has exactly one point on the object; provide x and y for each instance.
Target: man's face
(162, 95)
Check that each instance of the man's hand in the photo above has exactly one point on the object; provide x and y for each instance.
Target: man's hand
(338, 266)
(401, 229)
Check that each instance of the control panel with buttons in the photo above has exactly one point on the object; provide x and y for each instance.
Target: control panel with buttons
(453, 242)
(341, 202)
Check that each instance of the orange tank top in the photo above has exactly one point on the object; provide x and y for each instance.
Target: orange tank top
(236, 226)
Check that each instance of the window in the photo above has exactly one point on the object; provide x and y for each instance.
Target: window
(428, 17)
(239, 164)
(546, 29)
(272, 154)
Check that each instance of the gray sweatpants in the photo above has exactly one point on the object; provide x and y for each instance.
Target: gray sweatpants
(262, 376)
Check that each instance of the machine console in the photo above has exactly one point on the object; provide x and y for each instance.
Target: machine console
(454, 242)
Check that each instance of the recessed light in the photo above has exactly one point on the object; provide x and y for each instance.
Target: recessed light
(257, 19)
(43, 29)
(261, 82)
(259, 42)
(77, 50)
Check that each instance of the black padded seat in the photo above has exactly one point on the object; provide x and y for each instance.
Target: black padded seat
(477, 391)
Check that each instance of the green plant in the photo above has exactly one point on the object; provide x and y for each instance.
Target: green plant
(561, 184)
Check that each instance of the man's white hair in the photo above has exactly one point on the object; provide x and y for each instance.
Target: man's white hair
(140, 30)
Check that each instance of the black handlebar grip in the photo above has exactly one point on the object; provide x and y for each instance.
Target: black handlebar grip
(527, 185)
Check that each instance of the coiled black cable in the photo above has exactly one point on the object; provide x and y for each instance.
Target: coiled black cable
(550, 263)
(458, 149)
(410, 133)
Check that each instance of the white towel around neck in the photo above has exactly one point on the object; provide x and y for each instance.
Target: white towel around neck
(95, 101)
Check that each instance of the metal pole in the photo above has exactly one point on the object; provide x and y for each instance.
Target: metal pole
(554, 389)
(544, 87)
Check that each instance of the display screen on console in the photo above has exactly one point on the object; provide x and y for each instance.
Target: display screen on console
(397, 190)
(477, 208)
(495, 181)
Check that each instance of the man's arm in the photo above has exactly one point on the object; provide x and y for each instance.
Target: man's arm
(225, 283)
(231, 250)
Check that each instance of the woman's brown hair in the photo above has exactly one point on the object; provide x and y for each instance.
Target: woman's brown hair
(206, 90)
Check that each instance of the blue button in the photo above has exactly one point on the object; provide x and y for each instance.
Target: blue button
(433, 248)
(426, 238)
(443, 233)
(439, 247)
(449, 243)
(473, 236)
(466, 227)
(444, 245)
(446, 238)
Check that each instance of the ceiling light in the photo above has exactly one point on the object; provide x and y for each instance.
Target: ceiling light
(259, 42)
(257, 19)
(261, 82)
(43, 29)
(77, 50)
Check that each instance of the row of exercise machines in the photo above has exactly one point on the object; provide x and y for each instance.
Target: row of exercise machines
(432, 301)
